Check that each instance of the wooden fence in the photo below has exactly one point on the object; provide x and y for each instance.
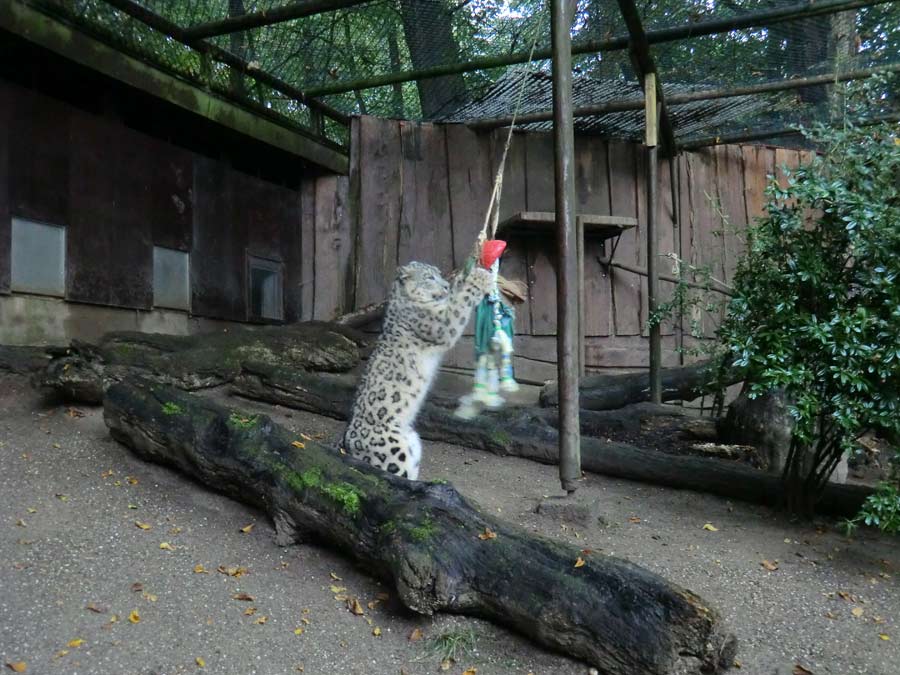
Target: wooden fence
(419, 192)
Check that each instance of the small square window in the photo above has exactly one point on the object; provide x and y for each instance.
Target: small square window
(171, 279)
(38, 261)
(265, 289)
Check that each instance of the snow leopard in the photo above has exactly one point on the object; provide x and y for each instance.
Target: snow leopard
(424, 318)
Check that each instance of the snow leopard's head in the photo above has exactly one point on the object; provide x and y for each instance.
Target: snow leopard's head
(421, 284)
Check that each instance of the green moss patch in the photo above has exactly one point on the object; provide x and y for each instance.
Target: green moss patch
(170, 408)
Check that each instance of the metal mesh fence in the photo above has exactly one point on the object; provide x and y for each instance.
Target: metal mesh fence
(354, 58)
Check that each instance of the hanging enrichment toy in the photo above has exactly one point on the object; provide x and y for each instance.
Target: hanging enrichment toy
(494, 321)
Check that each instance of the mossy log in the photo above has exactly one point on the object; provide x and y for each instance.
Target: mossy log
(531, 432)
(193, 362)
(437, 548)
(608, 392)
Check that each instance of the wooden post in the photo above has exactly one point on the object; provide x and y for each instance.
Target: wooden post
(567, 292)
(579, 239)
(652, 131)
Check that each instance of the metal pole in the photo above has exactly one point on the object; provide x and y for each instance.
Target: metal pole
(652, 128)
(567, 292)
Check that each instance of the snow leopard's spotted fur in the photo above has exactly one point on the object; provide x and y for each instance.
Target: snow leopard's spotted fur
(424, 318)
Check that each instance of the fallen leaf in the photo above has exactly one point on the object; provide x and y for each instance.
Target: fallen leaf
(800, 670)
(384, 597)
(369, 620)
(857, 612)
(61, 653)
(143, 526)
(243, 596)
(20, 523)
(150, 597)
(446, 664)
(134, 617)
(17, 666)
(877, 619)
(710, 527)
(200, 569)
(306, 437)
(354, 606)
(62, 497)
(487, 534)
(114, 618)
(261, 619)
(131, 480)
(96, 610)
(166, 546)
(376, 631)
(299, 444)
(372, 604)
(77, 642)
(737, 664)
(132, 506)
(769, 565)
(305, 620)
(416, 635)
(884, 636)
(247, 528)
(200, 662)
(470, 671)
(299, 668)
(845, 595)
(175, 530)
(235, 571)
(337, 589)
(137, 587)
(250, 611)
(579, 562)
(335, 576)
(830, 615)
(341, 597)
(74, 412)
(57, 446)
(31, 510)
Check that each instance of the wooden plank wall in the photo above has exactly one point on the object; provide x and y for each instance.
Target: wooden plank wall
(420, 191)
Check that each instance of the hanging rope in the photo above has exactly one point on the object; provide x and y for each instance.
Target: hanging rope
(492, 217)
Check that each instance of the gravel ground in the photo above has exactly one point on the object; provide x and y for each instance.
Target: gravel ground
(71, 554)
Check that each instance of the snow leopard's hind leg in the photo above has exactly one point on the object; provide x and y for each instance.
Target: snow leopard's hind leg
(394, 450)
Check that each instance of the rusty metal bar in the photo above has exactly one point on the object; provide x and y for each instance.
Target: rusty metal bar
(567, 292)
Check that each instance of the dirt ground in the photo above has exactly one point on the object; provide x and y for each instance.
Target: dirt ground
(71, 554)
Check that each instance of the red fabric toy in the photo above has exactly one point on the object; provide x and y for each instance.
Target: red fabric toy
(491, 250)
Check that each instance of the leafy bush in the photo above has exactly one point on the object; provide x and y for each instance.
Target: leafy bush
(816, 310)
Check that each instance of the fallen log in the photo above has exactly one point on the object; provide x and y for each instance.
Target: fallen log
(23, 360)
(439, 550)
(200, 361)
(531, 433)
(608, 392)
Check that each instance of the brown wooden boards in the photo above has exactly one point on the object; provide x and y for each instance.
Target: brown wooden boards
(470, 184)
(592, 197)
(380, 202)
(5, 217)
(425, 231)
(759, 163)
(623, 178)
(109, 253)
(334, 241)
(733, 215)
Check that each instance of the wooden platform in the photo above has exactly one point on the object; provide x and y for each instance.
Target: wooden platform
(544, 223)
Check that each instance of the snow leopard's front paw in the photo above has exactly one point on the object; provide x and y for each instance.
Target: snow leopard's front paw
(482, 279)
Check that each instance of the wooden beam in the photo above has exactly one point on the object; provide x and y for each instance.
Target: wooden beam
(801, 10)
(178, 34)
(43, 30)
(624, 105)
(567, 292)
(744, 136)
(643, 64)
(295, 10)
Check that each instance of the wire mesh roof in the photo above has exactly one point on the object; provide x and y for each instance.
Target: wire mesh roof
(376, 57)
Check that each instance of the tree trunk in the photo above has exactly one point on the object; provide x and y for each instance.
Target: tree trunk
(440, 552)
(428, 27)
(238, 48)
(532, 433)
(607, 392)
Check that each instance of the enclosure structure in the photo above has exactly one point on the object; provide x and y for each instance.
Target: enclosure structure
(181, 163)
